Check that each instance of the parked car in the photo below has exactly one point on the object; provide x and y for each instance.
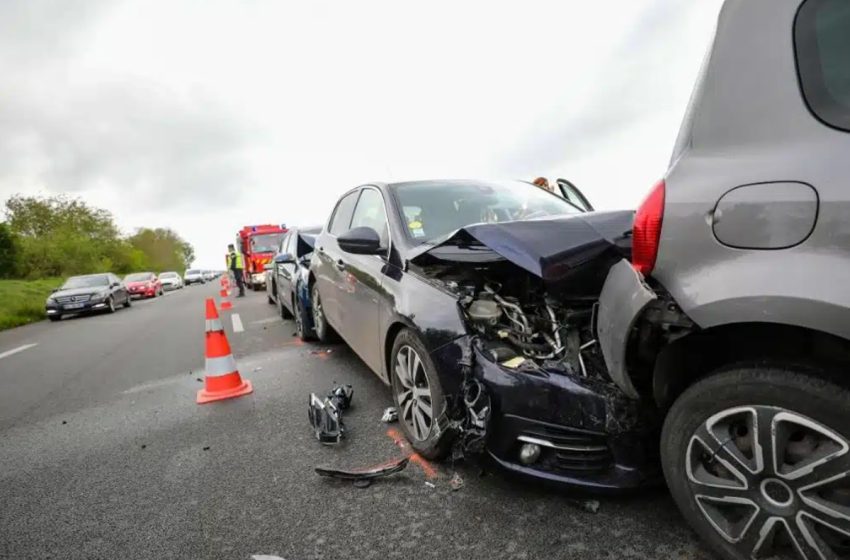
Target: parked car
(287, 280)
(87, 294)
(143, 285)
(194, 276)
(475, 301)
(734, 318)
(171, 281)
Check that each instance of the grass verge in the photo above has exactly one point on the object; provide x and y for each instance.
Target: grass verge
(22, 301)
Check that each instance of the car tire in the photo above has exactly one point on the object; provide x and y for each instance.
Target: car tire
(129, 302)
(737, 502)
(110, 308)
(304, 333)
(418, 396)
(324, 332)
(54, 318)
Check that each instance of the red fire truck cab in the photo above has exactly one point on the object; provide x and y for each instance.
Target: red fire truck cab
(258, 245)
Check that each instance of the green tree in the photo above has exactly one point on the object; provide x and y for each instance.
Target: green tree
(164, 249)
(8, 251)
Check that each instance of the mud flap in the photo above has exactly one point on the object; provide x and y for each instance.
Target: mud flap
(624, 296)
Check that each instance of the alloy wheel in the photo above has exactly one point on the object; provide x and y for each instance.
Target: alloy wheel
(318, 312)
(413, 395)
(772, 483)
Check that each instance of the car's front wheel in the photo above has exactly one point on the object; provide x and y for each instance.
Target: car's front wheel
(128, 302)
(324, 332)
(55, 318)
(110, 305)
(303, 331)
(758, 461)
(418, 395)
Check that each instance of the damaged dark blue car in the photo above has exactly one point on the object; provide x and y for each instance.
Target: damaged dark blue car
(477, 302)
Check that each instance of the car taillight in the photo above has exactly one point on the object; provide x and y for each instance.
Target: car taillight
(646, 232)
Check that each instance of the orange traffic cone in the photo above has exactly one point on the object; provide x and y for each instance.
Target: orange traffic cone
(222, 379)
(225, 303)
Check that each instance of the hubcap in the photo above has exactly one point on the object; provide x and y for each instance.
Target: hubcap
(772, 482)
(413, 394)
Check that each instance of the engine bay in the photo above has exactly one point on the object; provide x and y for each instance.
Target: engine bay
(519, 323)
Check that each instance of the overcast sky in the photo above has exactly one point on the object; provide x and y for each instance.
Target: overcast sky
(206, 115)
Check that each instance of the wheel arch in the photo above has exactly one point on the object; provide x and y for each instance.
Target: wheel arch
(683, 362)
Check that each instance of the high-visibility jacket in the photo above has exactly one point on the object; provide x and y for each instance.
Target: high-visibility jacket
(234, 260)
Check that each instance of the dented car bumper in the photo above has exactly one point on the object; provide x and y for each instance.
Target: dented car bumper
(567, 429)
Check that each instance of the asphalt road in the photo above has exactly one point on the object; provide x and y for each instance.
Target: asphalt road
(104, 454)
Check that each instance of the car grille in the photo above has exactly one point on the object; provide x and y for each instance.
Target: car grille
(73, 299)
(572, 450)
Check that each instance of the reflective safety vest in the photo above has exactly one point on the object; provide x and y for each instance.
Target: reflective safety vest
(234, 260)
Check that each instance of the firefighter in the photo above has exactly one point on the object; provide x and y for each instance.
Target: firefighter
(234, 264)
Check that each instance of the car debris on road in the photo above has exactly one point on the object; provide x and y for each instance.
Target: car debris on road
(326, 415)
(390, 415)
(363, 477)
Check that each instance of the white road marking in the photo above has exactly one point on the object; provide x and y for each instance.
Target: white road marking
(237, 322)
(8, 353)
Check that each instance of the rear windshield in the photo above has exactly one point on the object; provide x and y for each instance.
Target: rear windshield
(822, 39)
(138, 277)
(85, 282)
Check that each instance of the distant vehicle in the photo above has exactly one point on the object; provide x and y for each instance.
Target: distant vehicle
(733, 317)
(258, 245)
(87, 294)
(209, 275)
(171, 281)
(194, 276)
(143, 285)
(287, 281)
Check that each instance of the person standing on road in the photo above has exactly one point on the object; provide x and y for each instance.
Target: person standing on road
(234, 264)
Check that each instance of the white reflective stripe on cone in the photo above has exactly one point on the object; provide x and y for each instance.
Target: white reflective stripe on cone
(220, 366)
(214, 325)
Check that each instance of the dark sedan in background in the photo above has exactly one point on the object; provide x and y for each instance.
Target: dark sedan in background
(476, 302)
(87, 294)
(286, 281)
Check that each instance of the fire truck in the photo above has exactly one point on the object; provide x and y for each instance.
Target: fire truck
(258, 245)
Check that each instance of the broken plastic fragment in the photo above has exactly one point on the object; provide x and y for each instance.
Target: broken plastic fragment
(326, 415)
(367, 473)
(430, 484)
(456, 482)
(390, 415)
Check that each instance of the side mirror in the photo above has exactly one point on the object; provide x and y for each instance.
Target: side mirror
(54, 290)
(284, 258)
(115, 284)
(360, 241)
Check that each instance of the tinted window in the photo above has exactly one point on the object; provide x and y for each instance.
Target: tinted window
(342, 215)
(822, 37)
(370, 213)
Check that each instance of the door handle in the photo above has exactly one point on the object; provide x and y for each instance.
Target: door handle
(340, 265)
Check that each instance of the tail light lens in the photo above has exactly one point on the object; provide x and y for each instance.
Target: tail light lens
(646, 232)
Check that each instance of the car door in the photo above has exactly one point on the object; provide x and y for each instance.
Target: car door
(362, 297)
(573, 195)
(119, 292)
(329, 275)
(288, 271)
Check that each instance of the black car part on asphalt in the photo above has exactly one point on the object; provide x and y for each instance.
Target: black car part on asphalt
(367, 473)
(326, 415)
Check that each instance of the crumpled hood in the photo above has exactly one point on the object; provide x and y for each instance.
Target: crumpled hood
(569, 253)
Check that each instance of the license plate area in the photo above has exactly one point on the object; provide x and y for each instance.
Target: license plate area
(74, 306)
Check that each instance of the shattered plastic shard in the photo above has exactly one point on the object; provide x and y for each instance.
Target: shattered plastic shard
(390, 415)
(367, 473)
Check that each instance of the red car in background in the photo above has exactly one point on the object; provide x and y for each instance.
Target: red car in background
(143, 284)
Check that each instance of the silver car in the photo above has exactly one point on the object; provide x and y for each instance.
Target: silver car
(734, 315)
